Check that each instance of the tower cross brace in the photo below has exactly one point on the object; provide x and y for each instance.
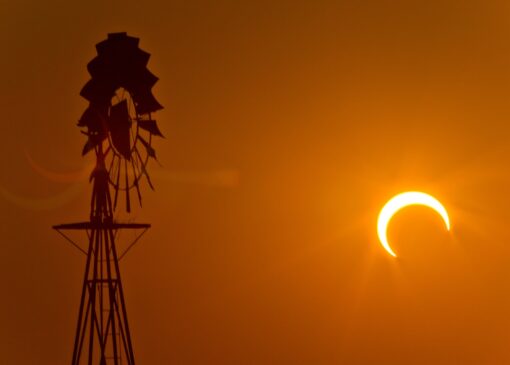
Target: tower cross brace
(102, 333)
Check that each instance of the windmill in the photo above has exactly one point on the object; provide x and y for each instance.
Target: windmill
(119, 128)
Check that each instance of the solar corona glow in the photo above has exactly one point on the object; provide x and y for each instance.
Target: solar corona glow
(403, 200)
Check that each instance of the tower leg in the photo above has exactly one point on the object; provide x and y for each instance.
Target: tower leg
(102, 319)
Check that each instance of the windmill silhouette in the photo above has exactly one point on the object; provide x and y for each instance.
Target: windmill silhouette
(119, 129)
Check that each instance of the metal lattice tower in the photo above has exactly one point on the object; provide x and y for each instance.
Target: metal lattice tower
(119, 128)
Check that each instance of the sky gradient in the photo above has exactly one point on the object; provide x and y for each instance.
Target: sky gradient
(288, 125)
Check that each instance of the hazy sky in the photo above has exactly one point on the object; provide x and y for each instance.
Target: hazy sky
(288, 124)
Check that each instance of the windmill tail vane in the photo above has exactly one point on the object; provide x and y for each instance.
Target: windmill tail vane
(120, 129)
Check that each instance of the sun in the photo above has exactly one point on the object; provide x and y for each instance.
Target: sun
(403, 200)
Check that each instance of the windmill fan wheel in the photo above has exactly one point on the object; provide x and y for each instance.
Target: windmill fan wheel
(118, 120)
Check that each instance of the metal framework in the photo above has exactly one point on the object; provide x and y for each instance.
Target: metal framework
(119, 128)
(102, 334)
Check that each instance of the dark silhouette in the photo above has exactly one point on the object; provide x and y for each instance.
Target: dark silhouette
(118, 116)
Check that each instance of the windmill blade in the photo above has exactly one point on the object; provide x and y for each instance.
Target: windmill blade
(104, 46)
(150, 151)
(144, 170)
(135, 181)
(122, 49)
(145, 79)
(93, 119)
(98, 91)
(92, 142)
(145, 101)
(150, 126)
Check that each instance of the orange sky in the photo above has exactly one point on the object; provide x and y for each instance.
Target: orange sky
(288, 124)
